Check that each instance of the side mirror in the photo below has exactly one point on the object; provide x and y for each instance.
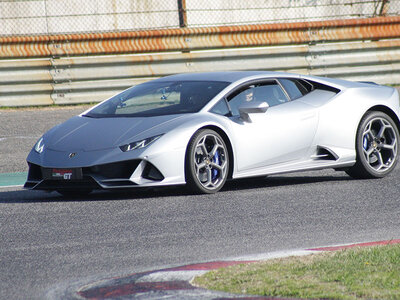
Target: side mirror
(253, 107)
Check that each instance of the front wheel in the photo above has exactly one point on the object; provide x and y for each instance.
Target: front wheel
(376, 146)
(207, 162)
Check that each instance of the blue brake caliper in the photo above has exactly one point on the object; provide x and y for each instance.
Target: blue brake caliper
(216, 160)
(365, 143)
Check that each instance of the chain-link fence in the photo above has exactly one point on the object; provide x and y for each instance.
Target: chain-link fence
(27, 17)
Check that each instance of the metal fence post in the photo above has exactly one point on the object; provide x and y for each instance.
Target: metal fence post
(384, 7)
(182, 13)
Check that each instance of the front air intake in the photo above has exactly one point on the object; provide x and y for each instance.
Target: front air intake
(35, 172)
(121, 170)
(152, 173)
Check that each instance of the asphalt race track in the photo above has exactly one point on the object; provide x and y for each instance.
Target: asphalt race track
(49, 243)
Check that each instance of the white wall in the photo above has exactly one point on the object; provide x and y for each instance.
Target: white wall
(205, 12)
(18, 17)
(58, 16)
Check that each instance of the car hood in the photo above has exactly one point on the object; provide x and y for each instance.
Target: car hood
(90, 134)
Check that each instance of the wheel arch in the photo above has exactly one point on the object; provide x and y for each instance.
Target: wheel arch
(387, 111)
(363, 169)
(228, 143)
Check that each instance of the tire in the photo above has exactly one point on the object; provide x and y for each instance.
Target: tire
(207, 162)
(376, 146)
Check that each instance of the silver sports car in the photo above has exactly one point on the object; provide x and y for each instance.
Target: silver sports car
(205, 128)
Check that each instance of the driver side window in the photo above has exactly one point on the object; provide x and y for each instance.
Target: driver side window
(270, 92)
(238, 98)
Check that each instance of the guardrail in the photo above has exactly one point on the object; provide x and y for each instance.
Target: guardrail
(35, 71)
(189, 39)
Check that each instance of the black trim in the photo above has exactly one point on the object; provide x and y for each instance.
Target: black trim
(121, 169)
(74, 185)
(324, 87)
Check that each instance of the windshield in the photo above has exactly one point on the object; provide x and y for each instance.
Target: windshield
(158, 98)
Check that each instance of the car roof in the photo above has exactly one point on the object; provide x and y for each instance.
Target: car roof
(232, 76)
(243, 76)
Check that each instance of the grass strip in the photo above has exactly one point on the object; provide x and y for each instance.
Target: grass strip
(357, 273)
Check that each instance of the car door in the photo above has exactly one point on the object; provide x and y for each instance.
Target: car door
(283, 134)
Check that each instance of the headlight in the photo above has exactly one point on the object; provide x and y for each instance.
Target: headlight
(139, 144)
(39, 147)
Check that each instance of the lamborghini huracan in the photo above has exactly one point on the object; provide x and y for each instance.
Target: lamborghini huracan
(202, 129)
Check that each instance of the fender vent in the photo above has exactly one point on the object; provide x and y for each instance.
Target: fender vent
(324, 153)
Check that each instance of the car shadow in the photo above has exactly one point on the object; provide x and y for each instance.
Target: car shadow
(27, 196)
(284, 180)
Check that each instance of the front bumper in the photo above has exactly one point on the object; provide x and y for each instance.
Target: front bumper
(125, 174)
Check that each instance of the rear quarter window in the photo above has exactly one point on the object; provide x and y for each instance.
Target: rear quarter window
(295, 88)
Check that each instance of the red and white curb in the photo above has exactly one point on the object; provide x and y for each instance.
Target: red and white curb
(174, 283)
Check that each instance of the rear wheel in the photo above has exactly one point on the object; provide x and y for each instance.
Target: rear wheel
(376, 146)
(207, 162)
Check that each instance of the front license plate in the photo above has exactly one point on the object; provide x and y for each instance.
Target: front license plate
(63, 174)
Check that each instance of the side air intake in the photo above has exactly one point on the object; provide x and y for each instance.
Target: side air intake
(324, 153)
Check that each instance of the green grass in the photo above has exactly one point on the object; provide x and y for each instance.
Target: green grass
(359, 273)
